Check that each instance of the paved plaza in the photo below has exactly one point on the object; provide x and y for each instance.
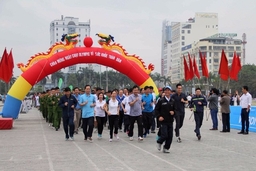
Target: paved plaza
(32, 146)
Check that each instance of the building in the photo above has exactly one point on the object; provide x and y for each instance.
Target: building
(165, 48)
(69, 25)
(212, 47)
(183, 34)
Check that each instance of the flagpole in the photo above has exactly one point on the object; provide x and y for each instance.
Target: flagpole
(227, 88)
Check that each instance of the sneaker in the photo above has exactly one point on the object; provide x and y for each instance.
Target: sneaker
(99, 136)
(110, 140)
(131, 138)
(199, 137)
(120, 130)
(144, 135)
(159, 146)
(72, 138)
(166, 151)
(178, 140)
(66, 139)
(115, 135)
(90, 139)
(140, 139)
(153, 131)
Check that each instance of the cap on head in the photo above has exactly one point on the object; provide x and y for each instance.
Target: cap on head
(160, 89)
(167, 87)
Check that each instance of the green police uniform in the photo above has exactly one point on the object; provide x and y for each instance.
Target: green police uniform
(57, 111)
(49, 102)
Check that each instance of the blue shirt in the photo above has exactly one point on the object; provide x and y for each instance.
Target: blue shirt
(87, 110)
(148, 99)
(78, 99)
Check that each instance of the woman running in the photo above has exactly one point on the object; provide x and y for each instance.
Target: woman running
(112, 109)
(100, 113)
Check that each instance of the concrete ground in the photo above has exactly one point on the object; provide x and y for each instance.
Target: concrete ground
(32, 146)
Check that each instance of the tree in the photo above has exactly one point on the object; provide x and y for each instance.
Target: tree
(56, 76)
(157, 78)
(72, 80)
(166, 80)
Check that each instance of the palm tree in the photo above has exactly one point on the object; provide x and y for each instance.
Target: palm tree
(157, 78)
(166, 80)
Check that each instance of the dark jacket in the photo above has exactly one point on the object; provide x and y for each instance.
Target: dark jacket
(67, 111)
(163, 108)
(213, 102)
(224, 103)
(198, 107)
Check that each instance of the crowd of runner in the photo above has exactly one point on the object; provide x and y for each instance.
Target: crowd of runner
(118, 110)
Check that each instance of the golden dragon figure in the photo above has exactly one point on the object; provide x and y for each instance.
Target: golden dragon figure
(105, 42)
(70, 42)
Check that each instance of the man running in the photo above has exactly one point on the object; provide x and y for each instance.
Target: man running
(180, 101)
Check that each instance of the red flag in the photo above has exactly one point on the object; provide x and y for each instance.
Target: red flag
(10, 67)
(235, 67)
(204, 65)
(223, 69)
(191, 70)
(186, 70)
(3, 66)
(196, 68)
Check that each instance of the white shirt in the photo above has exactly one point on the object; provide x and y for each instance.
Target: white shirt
(113, 107)
(189, 98)
(154, 99)
(246, 100)
(127, 106)
(99, 111)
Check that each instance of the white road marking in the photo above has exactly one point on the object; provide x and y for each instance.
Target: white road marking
(47, 148)
(81, 150)
(115, 158)
(159, 158)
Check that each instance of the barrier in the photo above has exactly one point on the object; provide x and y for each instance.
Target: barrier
(235, 118)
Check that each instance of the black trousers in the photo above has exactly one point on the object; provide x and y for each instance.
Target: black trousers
(88, 124)
(245, 120)
(226, 122)
(126, 123)
(199, 116)
(139, 123)
(166, 135)
(147, 120)
(68, 122)
(179, 119)
(100, 123)
(121, 119)
(113, 124)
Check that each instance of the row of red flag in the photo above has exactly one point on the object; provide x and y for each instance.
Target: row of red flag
(225, 72)
(229, 72)
(6, 66)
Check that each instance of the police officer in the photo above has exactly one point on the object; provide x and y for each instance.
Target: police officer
(68, 103)
(57, 109)
(50, 104)
(197, 105)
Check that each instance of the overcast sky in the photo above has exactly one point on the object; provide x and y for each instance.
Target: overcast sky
(136, 24)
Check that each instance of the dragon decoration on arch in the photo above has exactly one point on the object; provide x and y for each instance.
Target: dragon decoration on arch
(70, 42)
(105, 42)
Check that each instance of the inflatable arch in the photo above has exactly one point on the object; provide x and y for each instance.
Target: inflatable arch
(43, 64)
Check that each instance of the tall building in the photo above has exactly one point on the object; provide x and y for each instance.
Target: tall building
(165, 48)
(69, 25)
(212, 47)
(186, 33)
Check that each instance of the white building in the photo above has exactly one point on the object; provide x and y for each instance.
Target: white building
(165, 48)
(212, 47)
(186, 33)
(69, 25)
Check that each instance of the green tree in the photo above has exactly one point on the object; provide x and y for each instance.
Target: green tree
(166, 80)
(72, 80)
(56, 76)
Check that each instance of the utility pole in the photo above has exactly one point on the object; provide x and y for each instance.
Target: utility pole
(106, 78)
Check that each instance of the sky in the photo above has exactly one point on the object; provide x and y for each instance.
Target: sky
(135, 24)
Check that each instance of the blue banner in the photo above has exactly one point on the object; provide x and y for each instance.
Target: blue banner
(235, 118)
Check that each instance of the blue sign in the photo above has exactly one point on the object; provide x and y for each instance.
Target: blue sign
(186, 47)
(235, 118)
